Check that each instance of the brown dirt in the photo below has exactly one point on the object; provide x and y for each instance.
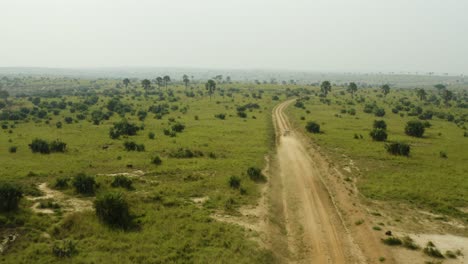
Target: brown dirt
(318, 208)
(68, 204)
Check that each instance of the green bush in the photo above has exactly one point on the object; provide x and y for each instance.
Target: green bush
(151, 135)
(234, 182)
(432, 251)
(179, 127)
(13, 149)
(84, 184)
(313, 127)
(113, 209)
(221, 116)
(57, 146)
(398, 148)
(379, 112)
(414, 128)
(61, 183)
(123, 128)
(132, 146)
(122, 181)
(378, 134)
(10, 195)
(380, 124)
(156, 160)
(39, 145)
(255, 174)
(408, 243)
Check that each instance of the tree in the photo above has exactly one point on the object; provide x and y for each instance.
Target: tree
(398, 148)
(352, 88)
(4, 94)
(385, 89)
(414, 128)
(325, 88)
(211, 87)
(186, 80)
(447, 96)
(146, 84)
(39, 145)
(228, 79)
(166, 80)
(380, 124)
(159, 81)
(440, 87)
(421, 93)
(126, 82)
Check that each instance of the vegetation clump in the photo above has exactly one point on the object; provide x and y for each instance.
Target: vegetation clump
(414, 128)
(432, 251)
(122, 181)
(313, 127)
(113, 210)
(132, 146)
(255, 174)
(398, 148)
(64, 248)
(84, 184)
(10, 196)
(378, 134)
(123, 128)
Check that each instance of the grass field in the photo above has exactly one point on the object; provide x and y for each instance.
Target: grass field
(424, 179)
(172, 228)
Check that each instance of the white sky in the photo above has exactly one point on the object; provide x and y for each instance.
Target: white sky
(317, 35)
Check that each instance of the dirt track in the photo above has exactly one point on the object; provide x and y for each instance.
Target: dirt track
(315, 230)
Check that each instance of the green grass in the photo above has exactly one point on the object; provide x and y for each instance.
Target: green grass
(172, 229)
(423, 179)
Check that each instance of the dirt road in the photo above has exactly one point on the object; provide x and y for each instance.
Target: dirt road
(315, 231)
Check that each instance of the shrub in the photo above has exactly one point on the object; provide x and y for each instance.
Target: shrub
(122, 181)
(398, 148)
(241, 114)
(352, 111)
(378, 134)
(414, 128)
(408, 243)
(379, 112)
(313, 127)
(10, 195)
(57, 146)
(234, 182)
(68, 120)
(132, 146)
(255, 174)
(151, 135)
(13, 149)
(221, 116)
(182, 153)
(39, 145)
(432, 251)
(380, 124)
(64, 248)
(84, 184)
(156, 160)
(112, 209)
(392, 241)
(123, 128)
(443, 154)
(179, 127)
(61, 183)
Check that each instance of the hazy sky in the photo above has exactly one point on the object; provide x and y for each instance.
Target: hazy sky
(316, 35)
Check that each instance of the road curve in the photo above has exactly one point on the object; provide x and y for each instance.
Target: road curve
(315, 231)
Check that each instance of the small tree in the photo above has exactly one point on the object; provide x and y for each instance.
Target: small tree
(379, 112)
(414, 128)
(325, 88)
(210, 86)
(113, 209)
(352, 88)
(57, 146)
(313, 127)
(122, 181)
(10, 196)
(146, 84)
(385, 89)
(84, 184)
(378, 134)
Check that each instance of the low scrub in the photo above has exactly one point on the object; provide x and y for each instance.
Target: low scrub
(313, 127)
(113, 210)
(122, 181)
(414, 128)
(64, 248)
(378, 134)
(10, 196)
(84, 184)
(398, 148)
(255, 174)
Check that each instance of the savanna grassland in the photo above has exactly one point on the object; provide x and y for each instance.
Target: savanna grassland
(432, 177)
(180, 151)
